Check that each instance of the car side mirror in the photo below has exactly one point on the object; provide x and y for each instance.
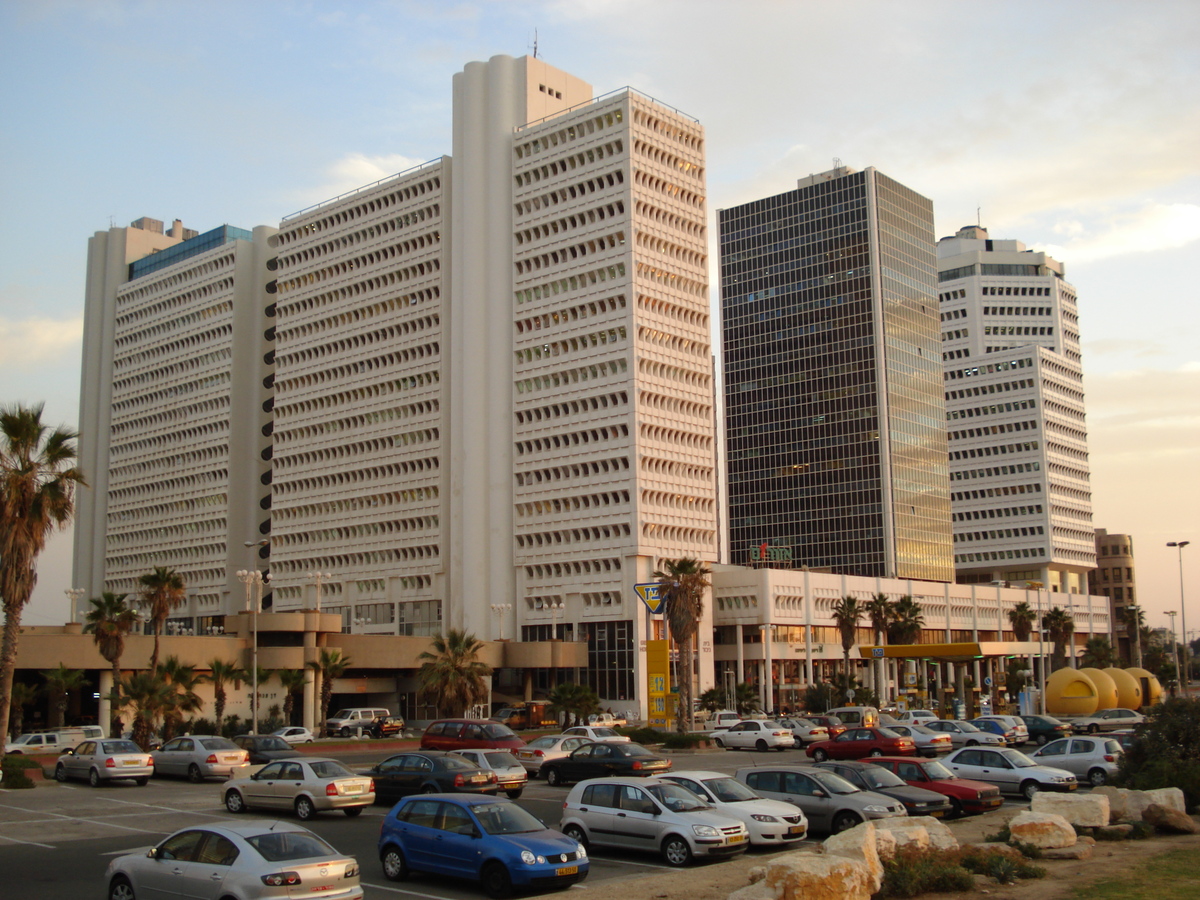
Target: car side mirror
(819, 794)
(152, 853)
(69, 751)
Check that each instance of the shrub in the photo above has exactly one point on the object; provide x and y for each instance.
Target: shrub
(1000, 837)
(912, 872)
(12, 772)
(999, 865)
(1141, 831)
(1167, 751)
(676, 741)
(643, 735)
(232, 726)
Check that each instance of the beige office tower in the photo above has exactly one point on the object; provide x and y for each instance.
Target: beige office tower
(175, 415)
(494, 388)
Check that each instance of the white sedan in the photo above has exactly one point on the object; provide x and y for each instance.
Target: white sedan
(755, 734)
(548, 747)
(1107, 720)
(596, 733)
(770, 822)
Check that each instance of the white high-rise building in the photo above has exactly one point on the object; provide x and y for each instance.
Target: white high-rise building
(494, 388)
(1020, 492)
(175, 415)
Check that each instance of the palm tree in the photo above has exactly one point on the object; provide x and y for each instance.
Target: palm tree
(59, 684)
(150, 696)
(452, 675)
(162, 592)
(37, 495)
(292, 681)
(713, 699)
(1059, 628)
(1098, 653)
(745, 698)
(571, 699)
(182, 681)
(907, 621)
(1135, 620)
(109, 621)
(846, 613)
(22, 695)
(330, 664)
(1021, 617)
(879, 610)
(682, 585)
(222, 673)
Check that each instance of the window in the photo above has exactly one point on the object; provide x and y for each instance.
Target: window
(181, 846)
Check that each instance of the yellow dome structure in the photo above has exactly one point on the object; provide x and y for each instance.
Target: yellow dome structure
(1106, 688)
(1151, 687)
(1071, 693)
(1129, 689)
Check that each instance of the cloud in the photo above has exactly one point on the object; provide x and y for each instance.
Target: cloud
(354, 171)
(32, 342)
(1154, 227)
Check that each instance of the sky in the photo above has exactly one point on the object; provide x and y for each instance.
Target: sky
(1070, 126)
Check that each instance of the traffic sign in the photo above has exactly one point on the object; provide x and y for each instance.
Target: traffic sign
(651, 594)
(877, 652)
(987, 682)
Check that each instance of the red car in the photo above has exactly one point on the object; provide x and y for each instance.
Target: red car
(856, 743)
(469, 734)
(833, 723)
(967, 797)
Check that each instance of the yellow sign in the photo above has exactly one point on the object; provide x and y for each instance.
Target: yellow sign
(651, 594)
(658, 683)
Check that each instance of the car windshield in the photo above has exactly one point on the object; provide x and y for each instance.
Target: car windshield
(270, 743)
(676, 798)
(120, 747)
(452, 763)
(277, 846)
(633, 750)
(216, 743)
(341, 714)
(497, 732)
(832, 720)
(835, 784)
(506, 818)
(330, 768)
(966, 727)
(504, 760)
(728, 790)
(1018, 759)
(547, 741)
(875, 777)
(935, 769)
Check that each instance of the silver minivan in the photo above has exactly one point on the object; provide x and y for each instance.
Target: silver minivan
(830, 802)
(650, 814)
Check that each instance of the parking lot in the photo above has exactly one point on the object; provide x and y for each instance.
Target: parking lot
(56, 841)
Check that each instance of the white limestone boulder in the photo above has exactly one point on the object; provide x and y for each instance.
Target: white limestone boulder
(1086, 810)
(1171, 798)
(1042, 830)
(810, 876)
(859, 843)
(1118, 801)
(937, 835)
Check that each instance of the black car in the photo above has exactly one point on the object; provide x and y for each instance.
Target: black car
(1044, 729)
(603, 759)
(429, 772)
(265, 748)
(870, 777)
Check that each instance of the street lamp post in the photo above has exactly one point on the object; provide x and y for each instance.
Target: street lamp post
(500, 609)
(317, 578)
(555, 606)
(74, 595)
(254, 579)
(1171, 614)
(1187, 650)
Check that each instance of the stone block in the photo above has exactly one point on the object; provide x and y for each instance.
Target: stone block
(1171, 797)
(1109, 832)
(858, 843)
(810, 876)
(939, 836)
(1079, 851)
(1118, 801)
(1169, 819)
(1042, 830)
(885, 843)
(1087, 810)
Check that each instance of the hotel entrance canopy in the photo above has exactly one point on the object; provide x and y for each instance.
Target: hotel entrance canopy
(967, 651)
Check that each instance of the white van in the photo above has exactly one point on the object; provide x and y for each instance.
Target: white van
(856, 716)
(346, 722)
(33, 742)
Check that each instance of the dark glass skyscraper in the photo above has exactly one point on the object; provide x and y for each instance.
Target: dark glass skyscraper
(835, 415)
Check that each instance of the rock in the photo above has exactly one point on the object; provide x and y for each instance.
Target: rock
(994, 848)
(859, 843)
(757, 874)
(808, 876)
(1118, 801)
(1042, 830)
(1170, 797)
(1166, 818)
(1085, 839)
(1079, 851)
(939, 836)
(1118, 832)
(885, 843)
(1090, 810)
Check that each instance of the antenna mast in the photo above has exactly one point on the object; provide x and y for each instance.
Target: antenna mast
(535, 43)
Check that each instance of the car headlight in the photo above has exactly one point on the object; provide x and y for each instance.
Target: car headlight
(529, 859)
(581, 851)
(758, 818)
(877, 809)
(705, 831)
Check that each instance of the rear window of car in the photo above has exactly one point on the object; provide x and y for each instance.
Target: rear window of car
(501, 760)
(276, 846)
(1112, 747)
(120, 747)
(456, 763)
(217, 743)
(330, 769)
(496, 731)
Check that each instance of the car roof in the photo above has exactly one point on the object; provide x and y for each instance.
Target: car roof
(779, 768)
(697, 774)
(462, 799)
(252, 828)
(432, 754)
(848, 763)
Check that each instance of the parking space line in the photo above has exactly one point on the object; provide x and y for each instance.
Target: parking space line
(626, 862)
(384, 887)
(4, 837)
(90, 821)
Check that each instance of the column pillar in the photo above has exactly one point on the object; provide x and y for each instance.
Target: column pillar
(104, 714)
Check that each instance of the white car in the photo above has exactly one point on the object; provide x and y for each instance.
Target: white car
(805, 731)
(511, 776)
(964, 734)
(755, 734)
(37, 742)
(916, 717)
(306, 786)
(1106, 720)
(1010, 770)
(295, 734)
(770, 822)
(548, 747)
(596, 733)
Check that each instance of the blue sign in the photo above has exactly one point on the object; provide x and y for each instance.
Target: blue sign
(877, 652)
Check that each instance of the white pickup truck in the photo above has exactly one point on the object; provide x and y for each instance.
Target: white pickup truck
(34, 742)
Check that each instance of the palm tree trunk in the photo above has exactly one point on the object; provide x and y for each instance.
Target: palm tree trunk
(113, 730)
(8, 661)
(154, 655)
(685, 685)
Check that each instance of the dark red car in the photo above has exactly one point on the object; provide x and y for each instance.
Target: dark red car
(967, 797)
(469, 734)
(832, 723)
(857, 743)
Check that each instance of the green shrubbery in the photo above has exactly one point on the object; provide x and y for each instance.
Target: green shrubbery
(676, 741)
(643, 735)
(1166, 752)
(12, 771)
(912, 872)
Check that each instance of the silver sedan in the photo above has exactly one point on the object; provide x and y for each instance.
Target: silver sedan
(551, 746)
(305, 785)
(261, 859)
(105, 760)
(964, 734)
(199, 756)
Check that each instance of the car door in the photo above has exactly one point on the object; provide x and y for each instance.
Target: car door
(848, 744)
(967, 764)
(388, 777)
(177, 754)
(998, 770)
(204, 874)
(597, 809)
(259, 788)
(802, 791)
(1078, 758)
(580, 765)
(289, 784)
(164, 876)
(1053, 754)
(81, 760)
(418, 831)
(453, 847)
(636, 822)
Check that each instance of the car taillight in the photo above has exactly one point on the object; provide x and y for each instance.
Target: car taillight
(331, 790)
(276, 879)
(212, 759)
(458, 780)
(1108, 758)
(636, 764)
(493, 778)
(371, 789)
(538, 753)
(110, 763)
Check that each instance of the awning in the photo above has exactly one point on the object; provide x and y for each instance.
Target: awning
(962, 652)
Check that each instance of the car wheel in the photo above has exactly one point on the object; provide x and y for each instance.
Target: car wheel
(60, 773)
(513, 795)
(345, 732)
(576, 834)
(720, 743)
(553, 778)
(496, 881)
(94, 778)
(120, 889)
(141, 782)
(394, 866)
(305, 809)
(956, 809)
(429, 789)
(876, 752)
(1029, 789)
(760, 745)
(676, 852)
(1042, 740)
(844, 820)
(972, 743)
(234, 802)
(352, 811)
(1093, 728)
(1097, 777)
(820, 755)
(195, 776)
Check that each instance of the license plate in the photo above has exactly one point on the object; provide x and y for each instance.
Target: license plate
(131, 762)
(352, 789)
(796, 829)
(478, 779)
(232, 759)
(568, 870)
(736, 838)
(524, 754)
(937, 813)
(997, 801)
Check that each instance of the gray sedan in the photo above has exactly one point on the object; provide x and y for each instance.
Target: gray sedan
(830, 802)
(964, 734)
(304, 785)
(1093, 758)
(106, 760)
(261, 859)
(1010, 770)
(199, 756)
(929, 742)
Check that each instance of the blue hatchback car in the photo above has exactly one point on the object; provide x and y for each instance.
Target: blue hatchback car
(490, 840)
(992, 726)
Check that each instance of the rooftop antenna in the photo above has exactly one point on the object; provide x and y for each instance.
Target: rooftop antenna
(978, 220)
(535, 43)
(112, 222)
(837, 163)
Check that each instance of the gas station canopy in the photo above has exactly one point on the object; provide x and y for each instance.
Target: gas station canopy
(968, 651)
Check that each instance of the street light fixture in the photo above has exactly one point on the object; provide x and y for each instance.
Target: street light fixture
(555, 606)
(253, 579)
(317, 577)
(500, 609)
(1187, 649)
(74, 595)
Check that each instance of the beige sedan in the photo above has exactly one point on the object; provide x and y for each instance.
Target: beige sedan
(305, 785)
